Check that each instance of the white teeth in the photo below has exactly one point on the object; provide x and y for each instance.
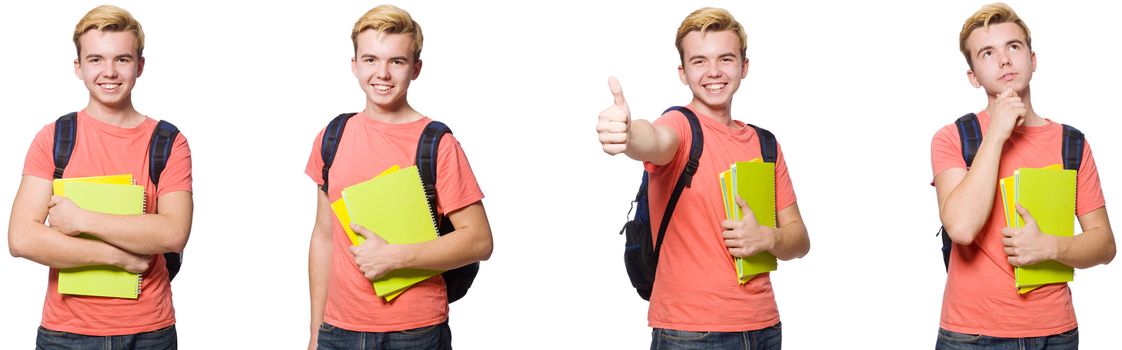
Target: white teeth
(714, 87)
(381, 87)
(110, 86)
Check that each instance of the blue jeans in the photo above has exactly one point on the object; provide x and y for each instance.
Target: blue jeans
(437, 336)
(770, 338)
(160, 339)
(957, 341)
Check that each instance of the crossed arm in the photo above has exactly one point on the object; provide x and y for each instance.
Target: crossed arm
(126, 241)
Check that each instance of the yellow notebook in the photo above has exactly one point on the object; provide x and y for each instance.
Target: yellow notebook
(1049, 196)
(110, 195)
(754, 182)
(393, 206)
(340, 209)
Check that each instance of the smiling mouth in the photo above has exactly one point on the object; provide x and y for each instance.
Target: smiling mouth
(714, 87)
(381, 88)
(109, 86)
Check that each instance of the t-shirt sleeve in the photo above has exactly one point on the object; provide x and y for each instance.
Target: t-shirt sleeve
(676, 121)
(784, 190)
(456, 186)
(177, 172)
(314, 169)
(946, 151)
(39, 161)
(1088, 192)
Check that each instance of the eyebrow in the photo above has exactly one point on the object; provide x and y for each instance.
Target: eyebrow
(727, 54)
(94, 55)
(366, 55)
(1007, 43)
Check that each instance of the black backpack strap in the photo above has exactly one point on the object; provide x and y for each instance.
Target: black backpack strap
(66, 134)
(159, 150)
(970, 133)
(1073, 148)
(768, 149)
(330, 143)
(427, 148)
(686, 178)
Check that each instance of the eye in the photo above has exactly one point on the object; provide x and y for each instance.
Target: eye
(123, 60)
(94, 60)
(1014, 47)
(398, 61)
(986, 54)
(367, 60)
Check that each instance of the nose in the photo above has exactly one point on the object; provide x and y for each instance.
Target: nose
(712, 70)
(1004, 59)
(382, 71)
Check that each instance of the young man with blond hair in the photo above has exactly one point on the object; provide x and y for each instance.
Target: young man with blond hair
(981, 305)
(111, 137)
(696, 303)
(345, 311)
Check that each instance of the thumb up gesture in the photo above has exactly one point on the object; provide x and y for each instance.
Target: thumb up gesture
(615, 121)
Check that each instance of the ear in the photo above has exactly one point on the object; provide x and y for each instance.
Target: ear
(140, 67)
(744, 69)
(354, 66)
(416, 70)
(78, 68)
(682, 75)
(973, 80)
(1032, 56)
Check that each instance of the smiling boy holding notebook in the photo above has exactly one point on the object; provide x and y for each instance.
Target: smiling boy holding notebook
(696, 300)
(981, 304)
(109, 137)
(346, 312)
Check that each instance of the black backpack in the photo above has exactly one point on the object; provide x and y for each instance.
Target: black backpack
(457, 281)
(159, 150)
(639, 256)
(970, 134)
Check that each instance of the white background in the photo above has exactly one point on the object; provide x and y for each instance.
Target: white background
(854, 91)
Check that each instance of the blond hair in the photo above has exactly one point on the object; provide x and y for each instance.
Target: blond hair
(390, 19)
(709, 19)
(995, 13)
(109, 18)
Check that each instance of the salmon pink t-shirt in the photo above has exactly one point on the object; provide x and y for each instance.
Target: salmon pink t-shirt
(695, 286)
(980, 296)
(367, 147)
(105, 149)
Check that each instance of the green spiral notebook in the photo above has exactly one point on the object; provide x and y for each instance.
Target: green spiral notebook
(393, 205)
(112, 194)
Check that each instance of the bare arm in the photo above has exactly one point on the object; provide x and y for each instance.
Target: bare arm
(165, 231)
(30, 238)
(470, 242)
(792, 240)
(746, 237)
(1027, 245)
(638, 139)
(319, 263)
(966, 196)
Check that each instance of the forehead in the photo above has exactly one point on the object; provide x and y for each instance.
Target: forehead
(994, 35)
(710, 43)
(107, 43)
(384, 44)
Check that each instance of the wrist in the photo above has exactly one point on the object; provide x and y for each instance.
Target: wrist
(1059, 247)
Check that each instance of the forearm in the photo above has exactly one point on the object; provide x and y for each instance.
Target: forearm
(166, 231)
(41, 244)
(1085, 250)
(646, 145)
(140, 234)
(319, 270)
(965, 210)
(455, 249)
(1092, 247)
(792, 241)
